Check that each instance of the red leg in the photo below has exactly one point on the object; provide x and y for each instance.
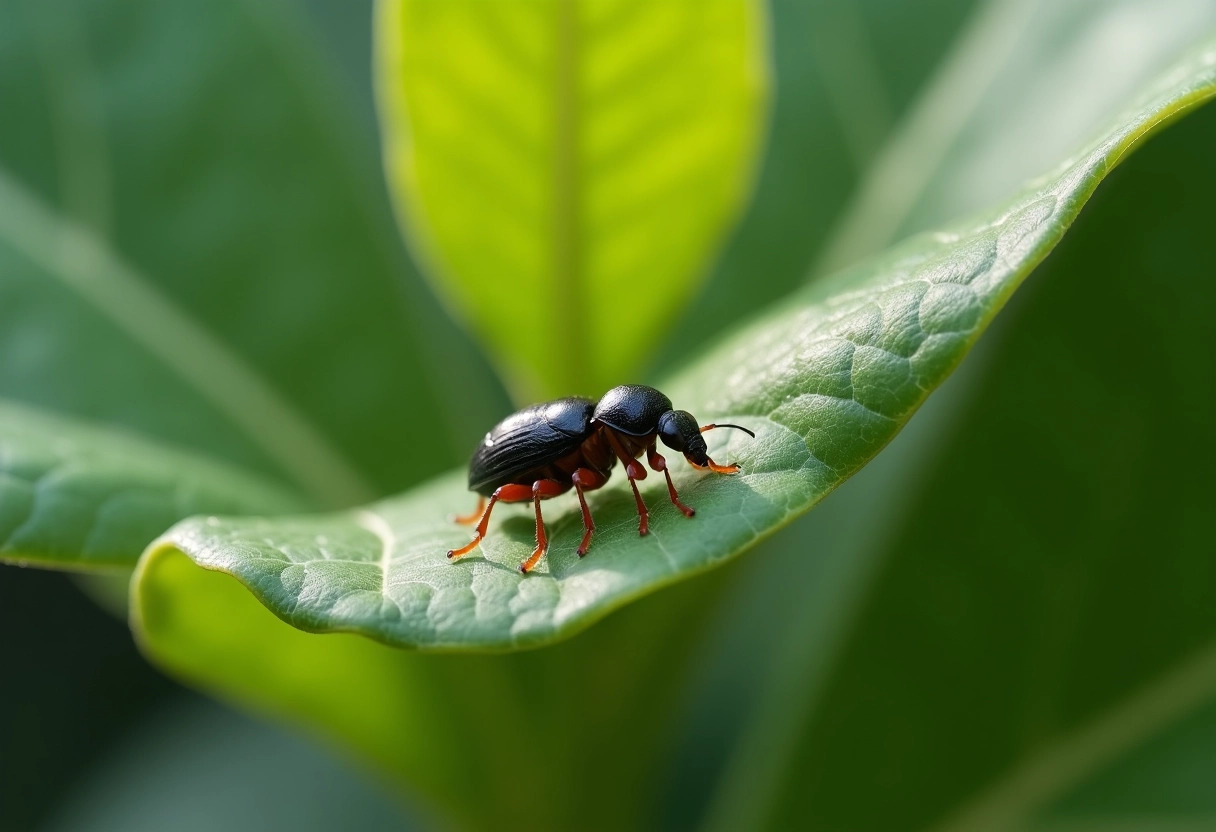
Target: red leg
(540, 490)
(658, 463)
(505, 494)
(474, 516)
(586, 479)
(635, 471)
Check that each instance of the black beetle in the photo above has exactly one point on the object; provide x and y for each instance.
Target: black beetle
(549, 448)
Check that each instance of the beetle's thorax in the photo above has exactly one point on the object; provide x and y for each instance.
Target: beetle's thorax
(632, 409)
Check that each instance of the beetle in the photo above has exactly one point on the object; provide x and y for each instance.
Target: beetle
(547, 449)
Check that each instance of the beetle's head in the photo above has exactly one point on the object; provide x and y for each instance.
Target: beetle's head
(680, 432)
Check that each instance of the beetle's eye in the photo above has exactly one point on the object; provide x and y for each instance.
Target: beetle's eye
(669, 431)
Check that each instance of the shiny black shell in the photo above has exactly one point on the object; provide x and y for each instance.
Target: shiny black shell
(529, 439)
(632, 408)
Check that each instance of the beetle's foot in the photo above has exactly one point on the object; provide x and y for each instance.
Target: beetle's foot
(464, 550)
(528, 565)
(733, 468)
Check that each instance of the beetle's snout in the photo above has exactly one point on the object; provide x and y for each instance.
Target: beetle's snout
(696, 451)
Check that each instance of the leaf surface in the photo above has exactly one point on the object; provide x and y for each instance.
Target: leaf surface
(826, 382)
(570, 168)
(80, 496)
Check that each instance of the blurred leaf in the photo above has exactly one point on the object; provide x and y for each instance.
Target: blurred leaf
(79, 496)
(198, 767)
(578, 722)
(891, 118)
(194, 243)
(1044, 618)
(1022, 84)
(1026, 82)
(1163, 782)
(846, 75)
(570, 168)
(825, 383)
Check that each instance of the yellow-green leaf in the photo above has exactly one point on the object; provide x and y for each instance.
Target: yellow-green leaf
(568, 169)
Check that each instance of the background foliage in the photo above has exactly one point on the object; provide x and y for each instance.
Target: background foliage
(1005, 616)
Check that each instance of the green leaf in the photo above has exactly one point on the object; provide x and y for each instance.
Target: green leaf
(826, 383)
(195, 244)
(1042, 617)
(569, 168)
(847, 76)
(438, 723)
(195, 766)
(1016, 69)
(83, 496)
(1161, 782)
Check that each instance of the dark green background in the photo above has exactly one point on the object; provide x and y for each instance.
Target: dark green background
(1051, 555)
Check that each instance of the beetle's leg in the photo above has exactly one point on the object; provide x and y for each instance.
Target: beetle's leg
(733, 468)
(474, 516)
(540, 490)
(586, 479)
(658, 463)
(635, 471)
(507, 494)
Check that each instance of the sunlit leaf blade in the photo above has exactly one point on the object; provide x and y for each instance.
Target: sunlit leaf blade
(570, 168)
(80, 496)
(825, 382)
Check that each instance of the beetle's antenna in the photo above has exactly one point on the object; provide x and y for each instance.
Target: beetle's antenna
(736, 427)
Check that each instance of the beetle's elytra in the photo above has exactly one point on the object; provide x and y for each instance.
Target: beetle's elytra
(547, 449)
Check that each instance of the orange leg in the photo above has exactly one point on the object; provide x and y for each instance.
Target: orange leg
(540, 490)
(716, 468)
(586, 480)
(635, 471)
(474, 516)
(506, 494)
(658, 463)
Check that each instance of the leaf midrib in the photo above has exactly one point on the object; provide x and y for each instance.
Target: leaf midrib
(567, 275)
